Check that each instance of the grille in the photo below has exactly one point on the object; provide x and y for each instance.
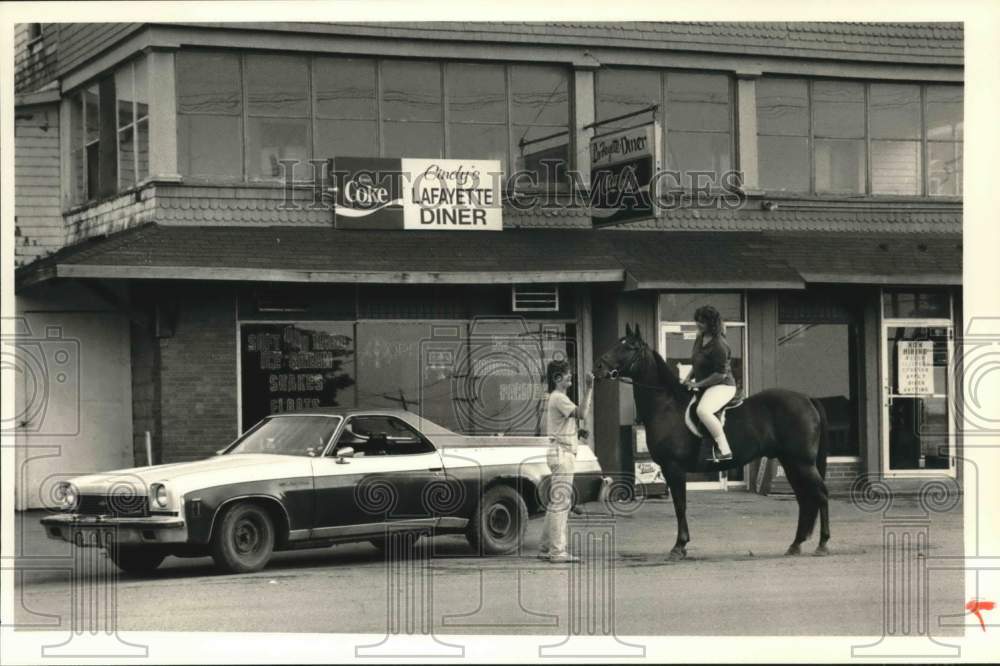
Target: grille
(113, 505)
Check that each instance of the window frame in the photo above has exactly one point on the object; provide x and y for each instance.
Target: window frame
(923, 143)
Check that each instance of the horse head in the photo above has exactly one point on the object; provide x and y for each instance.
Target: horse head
(623, 359)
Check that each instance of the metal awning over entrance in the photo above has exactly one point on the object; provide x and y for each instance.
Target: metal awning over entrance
(636, 259)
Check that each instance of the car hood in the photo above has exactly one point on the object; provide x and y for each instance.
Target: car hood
(181, 477)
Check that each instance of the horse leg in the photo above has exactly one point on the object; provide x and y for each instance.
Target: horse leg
(676, 479)
(807, 506)
(817, 486)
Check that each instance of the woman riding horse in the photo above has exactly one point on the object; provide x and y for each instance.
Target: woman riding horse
(775, 423)
(711, 373)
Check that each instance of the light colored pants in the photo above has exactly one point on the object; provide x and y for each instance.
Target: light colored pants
(562, 464)
(714, 399)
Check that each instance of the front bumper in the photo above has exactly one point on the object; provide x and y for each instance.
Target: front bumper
(100, 531)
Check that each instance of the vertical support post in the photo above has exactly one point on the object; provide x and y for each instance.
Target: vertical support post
(162, 115)
(149, 449)
(746, 129)
(583, 106)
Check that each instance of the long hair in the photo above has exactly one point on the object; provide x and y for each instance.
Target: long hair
(709, 316)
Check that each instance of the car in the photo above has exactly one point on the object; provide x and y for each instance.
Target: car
(313, 479)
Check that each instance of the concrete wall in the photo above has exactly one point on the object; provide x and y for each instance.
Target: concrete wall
(74, 390)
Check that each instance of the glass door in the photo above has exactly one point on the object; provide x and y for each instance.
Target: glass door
(917, 432)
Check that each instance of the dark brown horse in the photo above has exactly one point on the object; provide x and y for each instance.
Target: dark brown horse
(775, 423)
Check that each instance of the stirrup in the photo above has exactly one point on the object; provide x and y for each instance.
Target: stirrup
(717, 457)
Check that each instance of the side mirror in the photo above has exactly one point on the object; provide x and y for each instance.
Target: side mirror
(343, 454)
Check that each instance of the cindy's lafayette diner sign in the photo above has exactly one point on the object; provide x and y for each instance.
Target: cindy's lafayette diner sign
(407, 193)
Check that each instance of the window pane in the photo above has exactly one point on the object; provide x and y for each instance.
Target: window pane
(287, 367)
(680, 306)
(621, 91)
(839, 165)
(784, 163)
(124, 95)
(141, 91)
(93, 114)
(944, 113)
(477, 92)
(815, 359)
(782, 107)
(345, 87)
(142, 146)
(481, 142)
(945, 168)
(208, 83)
(411, 90)
(345, 138)
(838, 109)
(699, 151)
(539, 95)
(126, 158)
(895, 167)
(895, 111)
(698, 102)
(277, 85)
(210, 146)
(272, 139)
(903, 304)
(413, 139)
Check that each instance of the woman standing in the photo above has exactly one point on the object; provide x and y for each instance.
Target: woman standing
(711, 372)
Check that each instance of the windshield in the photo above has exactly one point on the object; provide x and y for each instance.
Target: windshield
(289, 436)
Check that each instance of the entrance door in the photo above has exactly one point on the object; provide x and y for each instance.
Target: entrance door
(917, 431)
(676, 342)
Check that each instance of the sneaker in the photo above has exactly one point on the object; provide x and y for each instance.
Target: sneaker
(564, 558)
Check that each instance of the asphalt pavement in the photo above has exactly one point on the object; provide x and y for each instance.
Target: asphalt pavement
(736, 580)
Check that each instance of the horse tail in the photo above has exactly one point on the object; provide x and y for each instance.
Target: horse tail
(824, 438)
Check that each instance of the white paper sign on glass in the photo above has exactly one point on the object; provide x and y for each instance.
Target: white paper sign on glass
(915, 361)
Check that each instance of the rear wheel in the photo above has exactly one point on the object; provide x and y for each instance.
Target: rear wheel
(498, 524)
(244, 538)
(137, 560)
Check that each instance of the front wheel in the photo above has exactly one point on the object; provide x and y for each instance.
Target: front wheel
(136, 560)
(244, 539)
(498, 524)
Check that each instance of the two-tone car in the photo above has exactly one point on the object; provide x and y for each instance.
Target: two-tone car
(314, 479)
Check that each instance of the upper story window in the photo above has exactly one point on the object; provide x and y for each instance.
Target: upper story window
(109, 134)
(239, 116)
(694, 108)
(844, 137)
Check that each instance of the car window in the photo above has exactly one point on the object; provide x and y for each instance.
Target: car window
(381, 436)
(288, 436)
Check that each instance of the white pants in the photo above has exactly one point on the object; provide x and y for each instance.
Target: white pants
(562, 464)
(714, 399)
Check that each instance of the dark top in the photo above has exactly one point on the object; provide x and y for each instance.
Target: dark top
(707, 360)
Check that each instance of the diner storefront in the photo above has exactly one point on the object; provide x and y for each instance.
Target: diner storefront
(191, 193)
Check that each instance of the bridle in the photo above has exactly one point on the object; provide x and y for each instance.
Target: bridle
(630, 367)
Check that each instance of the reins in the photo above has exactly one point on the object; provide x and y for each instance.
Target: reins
(618, 377)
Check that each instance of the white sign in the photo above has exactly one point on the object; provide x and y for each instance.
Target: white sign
(459, 195)
(915, 360)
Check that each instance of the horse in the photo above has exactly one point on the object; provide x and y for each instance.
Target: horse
(776, 423)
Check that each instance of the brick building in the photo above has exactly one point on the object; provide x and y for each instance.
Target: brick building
(160, 251)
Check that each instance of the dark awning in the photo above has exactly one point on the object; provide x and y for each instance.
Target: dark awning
(640, 259)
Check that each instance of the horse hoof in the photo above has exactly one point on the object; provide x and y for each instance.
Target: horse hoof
(821, 551)
(793, 550)
(677, 555)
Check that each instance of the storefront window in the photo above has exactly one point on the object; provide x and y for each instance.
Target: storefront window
(902, 304)
(288, 367)
(943, 115)
(278, 115)
(817, 337)
(783, 134)
(209, 115)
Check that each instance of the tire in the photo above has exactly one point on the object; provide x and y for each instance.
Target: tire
(137, 560)
(499, 521)
(243, 539)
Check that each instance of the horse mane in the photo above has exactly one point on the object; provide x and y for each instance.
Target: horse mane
(668, 377)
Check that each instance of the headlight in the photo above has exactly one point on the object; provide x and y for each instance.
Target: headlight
(66, 495)
(160, 498)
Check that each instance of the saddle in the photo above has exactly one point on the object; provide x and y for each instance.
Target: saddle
(695, 425)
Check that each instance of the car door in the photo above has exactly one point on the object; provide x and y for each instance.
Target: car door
(384, 482)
